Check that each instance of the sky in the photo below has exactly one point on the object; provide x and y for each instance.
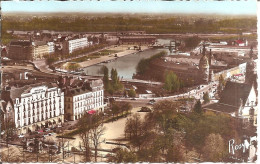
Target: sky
(233, 7)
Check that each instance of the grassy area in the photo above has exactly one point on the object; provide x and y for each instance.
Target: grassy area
(95, 55)
(55, 57)
(107, 120)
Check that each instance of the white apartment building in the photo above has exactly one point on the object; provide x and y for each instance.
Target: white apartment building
(37, 106)
(51, 47)
(76, 44)
(81, 100)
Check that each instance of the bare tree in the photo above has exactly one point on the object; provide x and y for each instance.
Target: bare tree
(84, 135)
(91, 130)
(95, 136)
(84, 127)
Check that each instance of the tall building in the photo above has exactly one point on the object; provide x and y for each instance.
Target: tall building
(86, 98)
(204, 67)
(36, 106)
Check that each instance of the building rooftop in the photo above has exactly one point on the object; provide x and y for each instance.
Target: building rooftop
(20, 43)
(76, 91)
(17, 92)
(39, 43)
(234, 92)
(222, 107)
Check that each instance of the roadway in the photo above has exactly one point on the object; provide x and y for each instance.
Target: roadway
(195, 93)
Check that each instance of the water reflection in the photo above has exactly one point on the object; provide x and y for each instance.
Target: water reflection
(126, 66)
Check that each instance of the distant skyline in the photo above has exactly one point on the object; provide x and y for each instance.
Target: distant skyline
(229, 7)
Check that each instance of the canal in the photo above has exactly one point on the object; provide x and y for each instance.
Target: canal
(125, 66)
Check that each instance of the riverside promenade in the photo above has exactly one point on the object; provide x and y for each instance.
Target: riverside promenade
(111, 56)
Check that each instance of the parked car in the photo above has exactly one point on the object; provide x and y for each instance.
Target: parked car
(145, 109)
(47, 129)
(21, 136)
(152, 101)
(50, 134)
(133, 98)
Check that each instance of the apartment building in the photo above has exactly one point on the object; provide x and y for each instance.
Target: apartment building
(20, 50)
(41, 48)
(69, 46)
(36, 106)
(87, 98)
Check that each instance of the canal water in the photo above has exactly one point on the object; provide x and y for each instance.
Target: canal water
(125, 66)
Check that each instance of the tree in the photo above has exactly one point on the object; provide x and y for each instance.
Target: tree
(105, 78)
(133, 130)
(96, 131)
(123, 156)
(206, 97)
(174, 154)
(192, 42)
(126, 106)
(214, 148)
(115, 109)
(84, 125)
(115, 84)
(131, 93)
(221, 84)
(172, 82)
(197, 107)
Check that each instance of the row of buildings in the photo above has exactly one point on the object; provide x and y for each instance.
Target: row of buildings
(41, 105)
(28, 50)
(33, 50)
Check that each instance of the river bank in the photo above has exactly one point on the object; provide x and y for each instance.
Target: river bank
(124, 51)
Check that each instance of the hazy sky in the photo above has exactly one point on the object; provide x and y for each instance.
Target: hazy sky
(248, 7)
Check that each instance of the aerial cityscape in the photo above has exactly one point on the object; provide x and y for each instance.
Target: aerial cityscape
(116, 82)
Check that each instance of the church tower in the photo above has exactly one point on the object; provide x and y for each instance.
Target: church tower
(204, 67)
(250, 69)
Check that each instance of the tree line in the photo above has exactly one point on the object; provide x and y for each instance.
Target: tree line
(166, 135)
(144, 64)
(152, 25)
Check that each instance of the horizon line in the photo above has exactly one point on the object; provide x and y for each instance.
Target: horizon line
(157, 13)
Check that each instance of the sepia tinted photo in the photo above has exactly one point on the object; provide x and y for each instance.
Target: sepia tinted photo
(128, 81)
